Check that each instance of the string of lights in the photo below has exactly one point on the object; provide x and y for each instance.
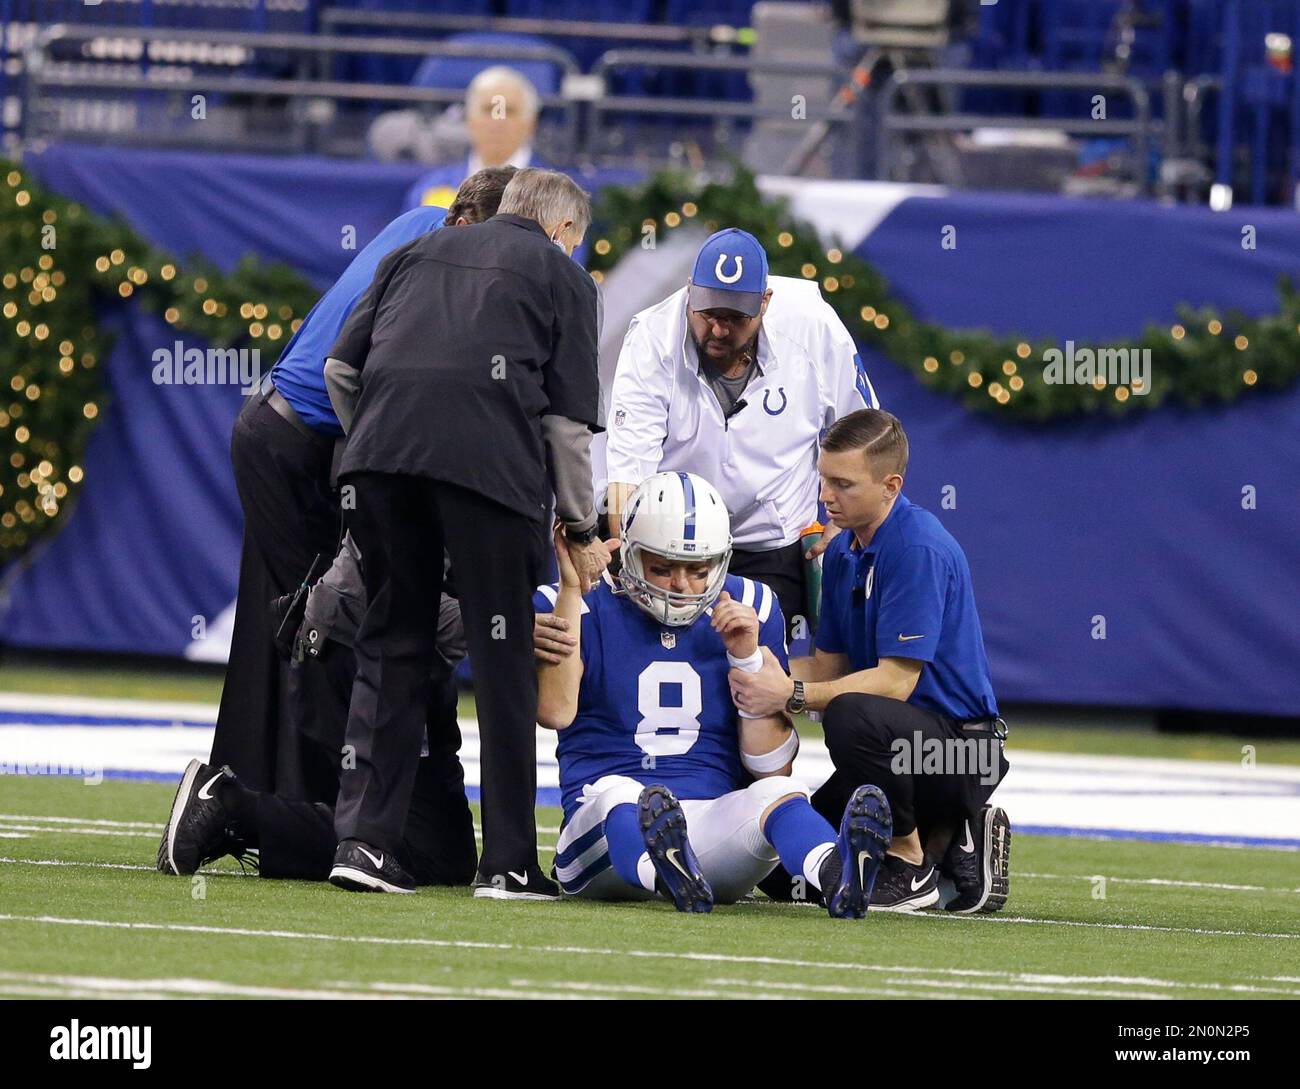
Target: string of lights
(61, 266)
(1203, 357)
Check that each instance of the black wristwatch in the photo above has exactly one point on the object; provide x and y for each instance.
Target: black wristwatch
(796, 703)
(580, 536)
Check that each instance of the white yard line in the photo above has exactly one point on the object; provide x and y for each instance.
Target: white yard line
(171, 710)
(22, 990)
(63, 829)
(947, 986)
(436, 943)
(870, 990)
(105, 986)
(42, 985)
(1101, 926)
(567, 989)
(84, 821)
(110, 866)
(1152, 881)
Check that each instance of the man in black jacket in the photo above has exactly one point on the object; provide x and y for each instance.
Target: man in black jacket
(466, 381)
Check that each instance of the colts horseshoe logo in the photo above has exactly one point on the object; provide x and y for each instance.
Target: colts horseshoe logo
(779, 408)
(740, 269)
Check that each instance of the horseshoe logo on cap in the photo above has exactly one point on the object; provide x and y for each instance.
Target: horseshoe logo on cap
(779, 408)
(740, 269)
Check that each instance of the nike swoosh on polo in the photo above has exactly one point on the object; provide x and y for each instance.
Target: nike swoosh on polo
(969, 845)
(205, 791)
(522, 878)
(379, 862)
(908, 638)
(672, 855)
(917, 882)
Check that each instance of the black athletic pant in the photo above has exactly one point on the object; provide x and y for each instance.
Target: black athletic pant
(401, 524)
(782, 569)
(860, 734)
(296, 838)
(290, 516)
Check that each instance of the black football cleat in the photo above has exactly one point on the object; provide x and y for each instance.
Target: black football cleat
(977, 862)
(902, 886)
(526, 884)
(663, 827)
(849, 872)
(197, 830)
(360, 867)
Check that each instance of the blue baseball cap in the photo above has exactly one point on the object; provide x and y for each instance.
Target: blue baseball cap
(730, 273)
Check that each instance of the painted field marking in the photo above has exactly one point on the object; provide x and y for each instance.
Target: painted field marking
(111, 866)
(1163, 881)
(188, 987)
(64, 829)
(82, 821)
(436, 943)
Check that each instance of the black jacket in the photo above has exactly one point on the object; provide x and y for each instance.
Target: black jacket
(466, 338)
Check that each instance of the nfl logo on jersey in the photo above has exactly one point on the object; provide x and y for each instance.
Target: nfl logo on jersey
(668, 639)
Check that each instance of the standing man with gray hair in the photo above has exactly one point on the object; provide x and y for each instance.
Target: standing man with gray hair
(466, 372)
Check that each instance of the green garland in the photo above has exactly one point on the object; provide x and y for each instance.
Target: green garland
(1205, 356)
(59, 265)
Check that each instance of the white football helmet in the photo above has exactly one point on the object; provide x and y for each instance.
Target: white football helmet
(681, 517)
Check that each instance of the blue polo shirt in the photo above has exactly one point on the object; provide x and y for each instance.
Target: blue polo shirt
(299, 374)
(908, 595)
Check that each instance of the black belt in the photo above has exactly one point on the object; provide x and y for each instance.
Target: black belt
(996, 726)
(272, 396)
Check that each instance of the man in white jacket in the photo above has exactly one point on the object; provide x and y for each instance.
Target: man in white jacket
(734, 377)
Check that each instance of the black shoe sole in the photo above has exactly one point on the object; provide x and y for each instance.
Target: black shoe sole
(663, 827)
(167, 845)
(497, 892)
(358, 880)
(916, 902)
(995, 862)
(865, 828)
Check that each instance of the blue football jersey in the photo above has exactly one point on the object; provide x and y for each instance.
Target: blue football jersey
(654, 703)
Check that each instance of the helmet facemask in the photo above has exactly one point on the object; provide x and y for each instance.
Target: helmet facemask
(669, 607)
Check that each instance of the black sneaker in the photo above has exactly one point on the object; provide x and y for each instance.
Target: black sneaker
(197, 830)
(977, 863)
(663, 827)
(901, 886)
(362, 868)
(526, 884)
(849, 872)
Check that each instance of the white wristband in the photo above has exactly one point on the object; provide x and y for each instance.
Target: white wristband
(774, 760)
(752, 664)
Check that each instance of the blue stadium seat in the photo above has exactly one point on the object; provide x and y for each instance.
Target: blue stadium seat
(1259, 106)
(585, 50)
(458, 72)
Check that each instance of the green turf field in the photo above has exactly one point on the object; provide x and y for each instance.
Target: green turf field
(82, 911)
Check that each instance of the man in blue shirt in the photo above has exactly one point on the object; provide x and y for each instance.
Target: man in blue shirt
(901, 676)
(282, 450)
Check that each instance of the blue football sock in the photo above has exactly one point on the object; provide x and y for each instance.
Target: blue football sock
(801, 837)
(626, 844)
